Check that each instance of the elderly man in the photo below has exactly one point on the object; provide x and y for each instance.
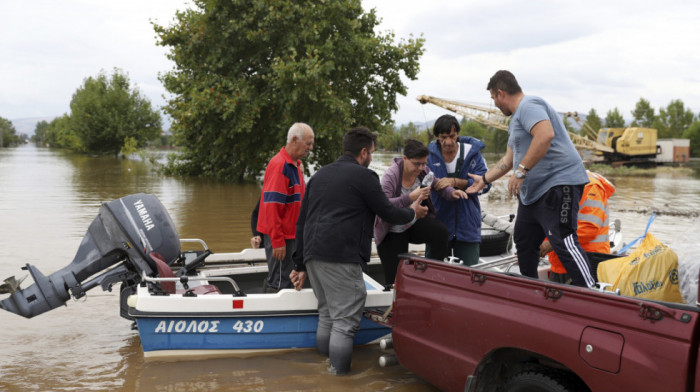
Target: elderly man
(280, 202)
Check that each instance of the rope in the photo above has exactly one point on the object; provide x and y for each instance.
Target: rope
(624, 248)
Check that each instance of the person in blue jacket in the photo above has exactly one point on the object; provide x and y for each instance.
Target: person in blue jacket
(452, 158)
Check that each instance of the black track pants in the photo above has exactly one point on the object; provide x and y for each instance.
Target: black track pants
(554, 216)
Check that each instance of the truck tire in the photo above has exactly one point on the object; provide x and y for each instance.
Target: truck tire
(543, 380)
(493, 242)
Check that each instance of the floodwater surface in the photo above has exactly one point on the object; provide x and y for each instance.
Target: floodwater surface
(48, 199)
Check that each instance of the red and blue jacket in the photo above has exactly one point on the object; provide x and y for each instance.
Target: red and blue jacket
(280, 201)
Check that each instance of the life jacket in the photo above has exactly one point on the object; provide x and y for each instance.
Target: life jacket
(593, 222)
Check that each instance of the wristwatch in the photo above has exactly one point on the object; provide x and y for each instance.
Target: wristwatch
(519, 174)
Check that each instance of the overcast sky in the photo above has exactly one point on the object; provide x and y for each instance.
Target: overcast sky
(577, 55)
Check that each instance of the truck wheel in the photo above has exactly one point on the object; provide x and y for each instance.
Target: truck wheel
(493, 242)
(543, 380)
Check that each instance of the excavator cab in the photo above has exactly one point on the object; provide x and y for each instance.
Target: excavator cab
(116, 248)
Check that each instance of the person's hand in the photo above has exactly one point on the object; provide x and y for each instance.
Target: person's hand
(477, 185)
(279, 253)
(419, 193)
(443, 183)
(514, 185)
(459, 194)
(255, 242)
(545, 248)
(298, 278)
(421, 211)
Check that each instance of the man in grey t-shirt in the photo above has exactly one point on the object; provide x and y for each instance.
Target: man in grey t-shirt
(548, 179)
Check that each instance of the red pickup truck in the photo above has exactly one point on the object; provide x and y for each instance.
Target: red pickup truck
(467, 329)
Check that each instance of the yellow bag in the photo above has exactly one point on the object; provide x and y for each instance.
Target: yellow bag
(650, 272)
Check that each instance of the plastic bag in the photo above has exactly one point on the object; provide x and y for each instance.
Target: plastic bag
(650, 272)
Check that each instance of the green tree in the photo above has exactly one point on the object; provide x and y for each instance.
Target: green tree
(105, 111)
(643, 114)
(674, 119)
(494, 139)
(614, 119)
(392, 138)
(40, 132)
(60, 135)
(8, 133)
(246, 70)
(594, 120)
(693, 133)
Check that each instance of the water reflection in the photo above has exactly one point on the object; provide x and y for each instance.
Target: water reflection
(298, 371)
(98, 179)
(217, 213)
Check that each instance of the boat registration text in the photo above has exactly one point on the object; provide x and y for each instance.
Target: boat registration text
(207, 326)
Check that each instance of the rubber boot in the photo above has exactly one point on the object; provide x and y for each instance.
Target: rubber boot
(340, 348)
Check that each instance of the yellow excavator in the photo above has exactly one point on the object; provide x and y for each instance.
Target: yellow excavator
(614, 145)
(633, 144)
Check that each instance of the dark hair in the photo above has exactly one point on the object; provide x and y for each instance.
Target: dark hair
(358, 138)
(444, 124)
(415, 149)
(504, 81)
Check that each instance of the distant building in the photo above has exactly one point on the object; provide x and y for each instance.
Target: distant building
(673, 150)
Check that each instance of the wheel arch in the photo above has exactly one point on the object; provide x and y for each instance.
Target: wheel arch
(503, 363)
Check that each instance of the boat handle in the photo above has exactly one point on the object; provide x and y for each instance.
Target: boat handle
(201, 242)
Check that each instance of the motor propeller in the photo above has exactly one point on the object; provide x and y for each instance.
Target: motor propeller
(11, 285)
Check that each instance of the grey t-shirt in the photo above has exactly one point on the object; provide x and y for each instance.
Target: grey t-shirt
(561, 165)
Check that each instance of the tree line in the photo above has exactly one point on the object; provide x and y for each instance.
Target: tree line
(244, 71)
(8, 134)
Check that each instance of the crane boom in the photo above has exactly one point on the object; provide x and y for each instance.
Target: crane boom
(494, 118)
(487, 116)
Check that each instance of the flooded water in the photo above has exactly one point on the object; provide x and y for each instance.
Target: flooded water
(47, 201)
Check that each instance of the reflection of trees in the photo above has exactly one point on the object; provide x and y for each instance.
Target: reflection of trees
(218, 213)
(107, 178)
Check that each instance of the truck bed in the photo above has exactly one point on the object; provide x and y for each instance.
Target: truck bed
(466, 329)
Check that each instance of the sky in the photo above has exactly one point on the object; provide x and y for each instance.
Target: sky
(576, 55)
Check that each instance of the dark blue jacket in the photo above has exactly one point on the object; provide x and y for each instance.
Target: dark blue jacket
(336, 222)
(462, 217)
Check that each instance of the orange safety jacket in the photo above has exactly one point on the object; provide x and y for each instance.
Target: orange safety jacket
(593, 225)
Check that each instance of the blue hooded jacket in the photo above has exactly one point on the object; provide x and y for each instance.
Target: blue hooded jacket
(462, 217)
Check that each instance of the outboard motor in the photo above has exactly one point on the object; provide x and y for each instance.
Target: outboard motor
(118, 240)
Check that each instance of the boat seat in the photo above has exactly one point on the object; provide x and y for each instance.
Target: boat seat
(164, 271)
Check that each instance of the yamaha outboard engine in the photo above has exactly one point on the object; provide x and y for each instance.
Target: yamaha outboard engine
(119, 239)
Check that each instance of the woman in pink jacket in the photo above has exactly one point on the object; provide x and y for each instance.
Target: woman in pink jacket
(403, 183)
